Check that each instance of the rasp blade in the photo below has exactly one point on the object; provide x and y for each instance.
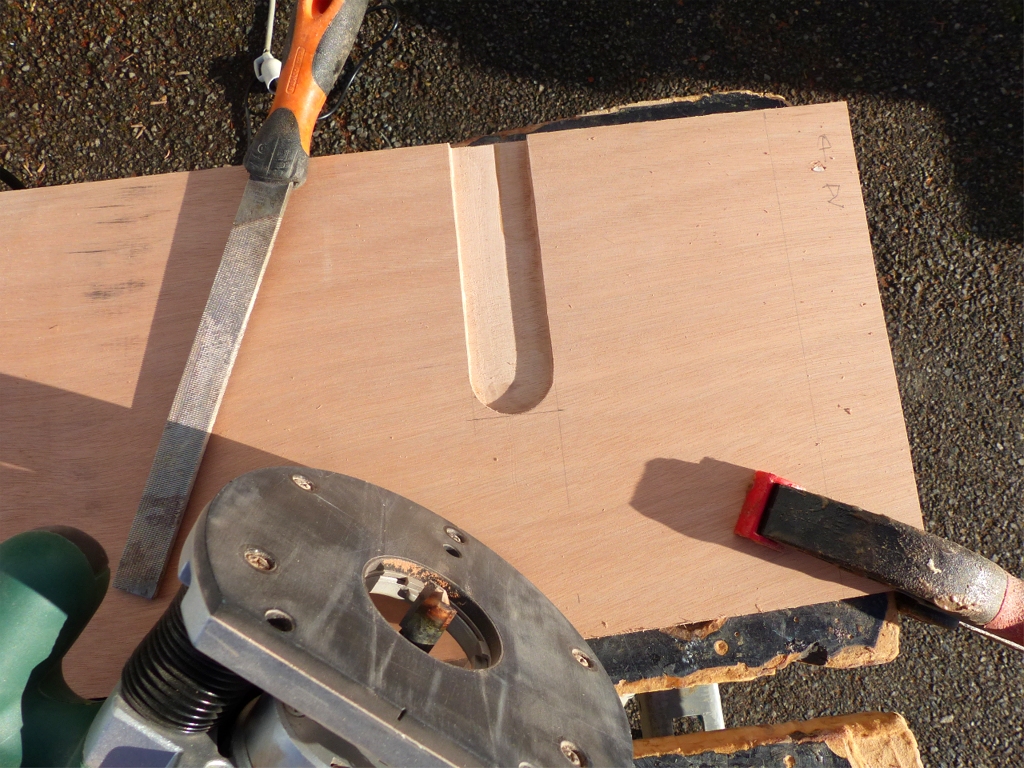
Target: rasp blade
(202, 386)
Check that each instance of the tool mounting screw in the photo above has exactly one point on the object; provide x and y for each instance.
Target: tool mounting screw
(303, 482)
(582, 658)
(260, 559)
(455, 535)
(573, 754)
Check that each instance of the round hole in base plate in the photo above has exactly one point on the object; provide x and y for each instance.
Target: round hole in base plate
(279, 620)
(452, 550)
(470, 640)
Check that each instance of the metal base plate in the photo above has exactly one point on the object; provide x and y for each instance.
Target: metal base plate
(278, 567)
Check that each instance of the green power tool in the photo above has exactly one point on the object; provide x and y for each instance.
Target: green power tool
(321, 622)
(52, 581)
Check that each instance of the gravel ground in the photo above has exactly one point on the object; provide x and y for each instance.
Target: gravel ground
(110, 89)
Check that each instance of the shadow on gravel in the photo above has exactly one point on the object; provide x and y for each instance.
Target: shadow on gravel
(234, 73)
(941, 54)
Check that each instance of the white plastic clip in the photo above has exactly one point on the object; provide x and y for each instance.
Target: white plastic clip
(267, 67)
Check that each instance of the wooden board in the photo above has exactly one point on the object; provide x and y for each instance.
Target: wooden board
(863, 740)
(669, 306)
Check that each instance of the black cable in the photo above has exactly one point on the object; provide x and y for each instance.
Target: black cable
(10, 179)
(245, 108)
(345, 81)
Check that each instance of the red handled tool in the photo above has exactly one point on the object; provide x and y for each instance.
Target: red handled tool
(957, 582)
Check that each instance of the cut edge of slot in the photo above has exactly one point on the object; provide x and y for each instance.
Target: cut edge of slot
(508, 338)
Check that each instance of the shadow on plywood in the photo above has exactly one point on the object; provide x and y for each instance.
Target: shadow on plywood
(703, 500)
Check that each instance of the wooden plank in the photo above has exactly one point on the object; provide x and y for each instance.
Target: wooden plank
(864, 740)
(710, 305)
(858, 632)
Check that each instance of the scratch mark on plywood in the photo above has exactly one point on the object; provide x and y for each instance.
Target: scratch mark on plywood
(561, 447)
(518, 415)
(15, 467)
(512, 456)
(110, 291)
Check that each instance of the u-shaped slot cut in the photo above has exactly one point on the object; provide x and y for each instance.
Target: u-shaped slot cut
(508, 341)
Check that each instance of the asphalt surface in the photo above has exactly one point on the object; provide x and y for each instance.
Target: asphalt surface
(102, 90)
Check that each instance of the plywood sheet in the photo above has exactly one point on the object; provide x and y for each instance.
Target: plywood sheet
(676, 304)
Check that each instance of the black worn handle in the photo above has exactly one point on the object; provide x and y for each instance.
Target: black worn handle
(927, 567)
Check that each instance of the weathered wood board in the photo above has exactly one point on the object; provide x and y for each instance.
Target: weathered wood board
(667, 306)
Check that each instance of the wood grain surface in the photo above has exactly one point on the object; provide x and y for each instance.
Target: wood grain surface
(706, 287)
